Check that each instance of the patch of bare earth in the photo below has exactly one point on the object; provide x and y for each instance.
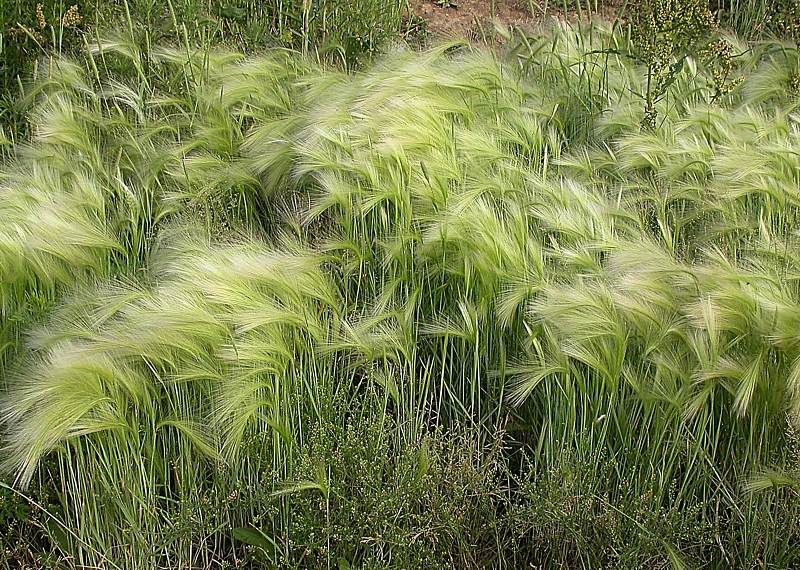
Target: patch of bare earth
(474, 19)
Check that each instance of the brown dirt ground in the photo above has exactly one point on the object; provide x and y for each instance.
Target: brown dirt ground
(473, 19)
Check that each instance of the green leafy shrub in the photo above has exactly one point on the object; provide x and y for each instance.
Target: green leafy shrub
(30, 30)
(785, 19)
(569, 516)
(375, 502)
(28, 524)
(664, 34)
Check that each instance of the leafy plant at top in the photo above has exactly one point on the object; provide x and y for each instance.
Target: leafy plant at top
(34, 30)
(664, 33)
(29, 31)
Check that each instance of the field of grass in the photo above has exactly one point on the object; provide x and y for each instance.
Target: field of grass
(456, 308)
(347, 32)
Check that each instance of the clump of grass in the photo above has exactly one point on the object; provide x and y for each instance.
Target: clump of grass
(263, 285)
(779, 18)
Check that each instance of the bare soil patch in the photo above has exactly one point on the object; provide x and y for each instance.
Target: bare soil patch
(474, 19)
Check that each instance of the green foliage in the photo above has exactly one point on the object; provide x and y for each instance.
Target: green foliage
(451, 309)
(664, 34)
(30, 29)
(28, 524)
(386, 503)
(785, 19)
(567, 517)
(351, 29)
(33, 34)
(759, 18)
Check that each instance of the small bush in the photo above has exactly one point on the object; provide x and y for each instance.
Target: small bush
(28, 524)
(363, 497)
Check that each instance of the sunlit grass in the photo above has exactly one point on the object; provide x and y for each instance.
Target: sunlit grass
(219, 275)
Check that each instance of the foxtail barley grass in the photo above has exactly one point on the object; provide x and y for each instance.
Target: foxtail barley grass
(255, 308)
